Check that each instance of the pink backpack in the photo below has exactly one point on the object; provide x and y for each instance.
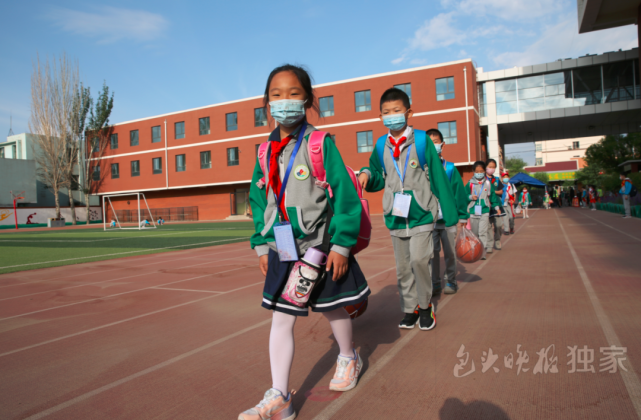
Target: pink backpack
(315, 150)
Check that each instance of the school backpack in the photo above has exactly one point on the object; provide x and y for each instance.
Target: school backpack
(315, 152)
(420, 142)
(633, 189)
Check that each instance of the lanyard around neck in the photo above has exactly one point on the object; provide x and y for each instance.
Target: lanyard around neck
(283, 184)
(407, 158)
(482, 190)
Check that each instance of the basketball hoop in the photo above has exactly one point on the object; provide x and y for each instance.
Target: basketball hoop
(16, 197)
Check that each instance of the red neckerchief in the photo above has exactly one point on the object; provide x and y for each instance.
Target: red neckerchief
(274, 172)
(397, 145)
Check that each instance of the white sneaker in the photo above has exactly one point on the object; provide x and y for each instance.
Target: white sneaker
(347, 371)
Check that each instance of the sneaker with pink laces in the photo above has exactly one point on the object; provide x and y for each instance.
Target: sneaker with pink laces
(347, 371)
(273, 406)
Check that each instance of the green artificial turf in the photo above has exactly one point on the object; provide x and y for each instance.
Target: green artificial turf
(28, 250)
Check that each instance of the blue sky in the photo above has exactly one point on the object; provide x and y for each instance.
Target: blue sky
(164, 56)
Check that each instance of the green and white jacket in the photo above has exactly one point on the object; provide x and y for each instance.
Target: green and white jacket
(305, 202)
(428, 187)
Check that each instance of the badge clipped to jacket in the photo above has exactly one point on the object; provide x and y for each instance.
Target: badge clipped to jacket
(402, 201)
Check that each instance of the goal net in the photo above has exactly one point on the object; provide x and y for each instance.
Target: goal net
(143, 219)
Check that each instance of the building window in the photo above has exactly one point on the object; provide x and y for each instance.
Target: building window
(539, 147)
(155, 134)
(205, 160)
(95, 145)
(115, 171)
(363, 101)
(180, 163)
(133, 138)
(231, 120)
(407, 88)
(327, 106)
(260, 117)
(96, 173)
(113, 141)
(203, 126)
(232, 156)
(444, 88)
(539, 162)
(482, 100)
(575, 145)
(1, 152)
(364, 141)
(157, 165)
(135, 168)
(179, 130)
(449, 131)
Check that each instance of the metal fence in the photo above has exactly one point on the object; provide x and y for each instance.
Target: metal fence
(172, 214)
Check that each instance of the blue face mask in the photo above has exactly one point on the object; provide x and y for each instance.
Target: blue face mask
(506, 180)
(394, 122)
(439, 148)
(479, 175)
(287, 112)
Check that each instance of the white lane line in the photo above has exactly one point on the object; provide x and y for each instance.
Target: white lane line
(611, 227)
(122, 253)
(153, 368)
(124, 320)
(124, 267)
(144, 372)
(123, 293)
(185, 290)
(630, 378)
(330, 410)
(122, 278)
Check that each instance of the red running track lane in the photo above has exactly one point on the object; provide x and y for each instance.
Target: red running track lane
(192, 353)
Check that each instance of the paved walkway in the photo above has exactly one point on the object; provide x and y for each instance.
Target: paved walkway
(182, 335)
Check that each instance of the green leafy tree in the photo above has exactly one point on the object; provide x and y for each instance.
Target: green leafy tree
(515, 165)
(96, 139)
(611, 151)
(590, 175)
(541, 176)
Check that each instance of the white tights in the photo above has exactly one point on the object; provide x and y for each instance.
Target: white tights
(281, 343)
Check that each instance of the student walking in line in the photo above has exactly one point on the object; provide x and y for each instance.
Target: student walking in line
(546, 201)
(509, 197)
(481, 199)
(525, 201)
(289, 208)
(626, 189)
(446, 237)
(496, 220)
(406, 165)
(593, 196)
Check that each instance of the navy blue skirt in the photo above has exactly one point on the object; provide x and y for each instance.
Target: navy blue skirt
(327, 295)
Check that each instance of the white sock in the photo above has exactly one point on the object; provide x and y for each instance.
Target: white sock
(341, 325)
(281, 350)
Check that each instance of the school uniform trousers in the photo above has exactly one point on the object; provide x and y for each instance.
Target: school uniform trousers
(413, 254)
(480, 227)
(446, 237)
(495, 231)
(508, 222)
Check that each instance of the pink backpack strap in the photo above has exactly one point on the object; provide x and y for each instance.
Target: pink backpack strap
(315, 149)
(262, 160)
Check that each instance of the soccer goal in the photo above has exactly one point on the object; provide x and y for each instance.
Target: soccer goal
(144, 219)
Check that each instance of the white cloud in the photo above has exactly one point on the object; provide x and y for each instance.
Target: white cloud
(436, 33)
(508, 9)
(110, 24)
(563, 41)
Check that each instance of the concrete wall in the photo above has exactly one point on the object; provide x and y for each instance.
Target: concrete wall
(17, 175)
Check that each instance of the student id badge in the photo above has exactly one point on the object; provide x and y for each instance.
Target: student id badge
(285, 243)
(401, 205)
(478, 210)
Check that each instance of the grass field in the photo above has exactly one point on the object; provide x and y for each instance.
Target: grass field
(27, 250)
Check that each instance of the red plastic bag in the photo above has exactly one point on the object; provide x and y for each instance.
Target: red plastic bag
(469, 248)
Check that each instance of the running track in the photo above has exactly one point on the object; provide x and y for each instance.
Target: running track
(182, 334)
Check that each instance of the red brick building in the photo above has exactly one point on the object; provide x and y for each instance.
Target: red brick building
(205, 156)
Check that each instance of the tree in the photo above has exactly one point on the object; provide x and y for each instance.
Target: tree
(78, 117)
(52, 97)
(611, 151)
(96, 138)
(515, 165)
(590, 175)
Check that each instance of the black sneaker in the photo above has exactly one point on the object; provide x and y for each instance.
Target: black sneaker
(427, 319)
(409, 320)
